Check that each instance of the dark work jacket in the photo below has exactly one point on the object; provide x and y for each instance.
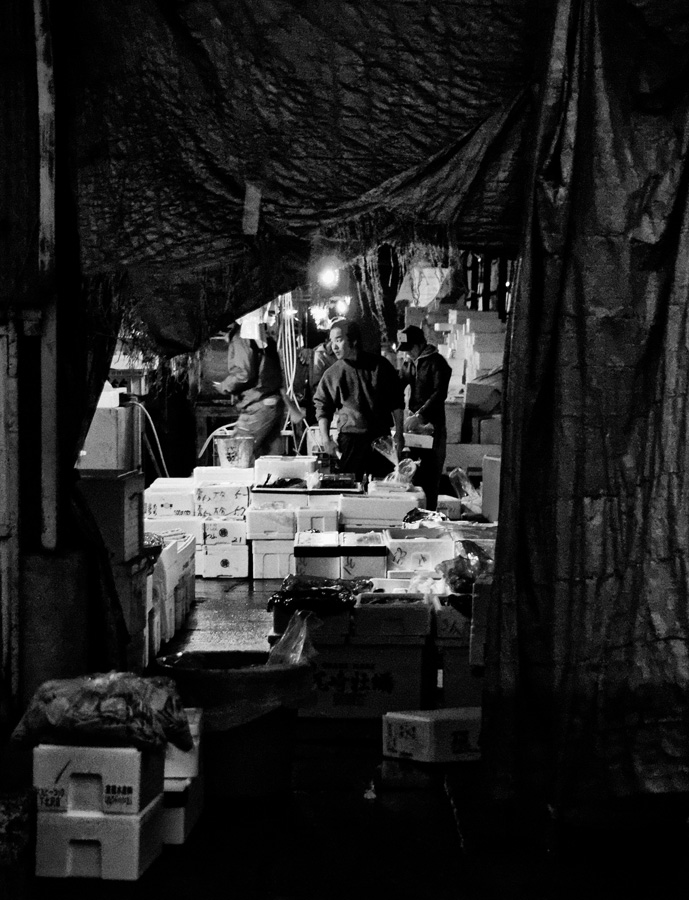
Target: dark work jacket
(429, 378)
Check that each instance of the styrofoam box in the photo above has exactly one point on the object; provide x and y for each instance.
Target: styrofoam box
(110, 780)
(417, 549)
(175, 526)
(281, 499)
(270, 524)
(91, 845)
(451, 506)
(422, 441)
(223, 475)
(325, 501)
(270, 467)
(182, 806)
(317, 554)
(490, 487)
(221, 501)
(272, 559)
(224, 531)
(390, 585)
(315, 519)
(113, 441)
(169, 498)
(166, 573)
(365, 510)
(435, 735)
(228, 561)
(368, 677)
(185, 763)
(362, 555)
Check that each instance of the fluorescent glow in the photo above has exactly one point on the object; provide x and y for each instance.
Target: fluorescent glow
(328, 277)
(342, 306)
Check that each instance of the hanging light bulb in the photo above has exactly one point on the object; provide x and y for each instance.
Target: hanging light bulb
(328, 277)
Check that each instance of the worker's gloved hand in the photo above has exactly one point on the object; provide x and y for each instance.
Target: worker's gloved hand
(411, 423)
(223, 387)
(330, 447)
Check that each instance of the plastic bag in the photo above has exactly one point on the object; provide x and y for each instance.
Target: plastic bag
(113, 709)
(461, 572)
(295, 645)
(386, 447)
(467, 493)
(323, 596)
(403, 472)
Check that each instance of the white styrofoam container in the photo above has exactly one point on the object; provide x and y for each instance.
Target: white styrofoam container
(228, 561)
(185, 763)
(271, 467)
(221, 501)
(270, 524)
(417, 549)
(362, 555)
(434, 735)
(105, 780)
(175, 526)
(200, 562)
(315, 519)
(282, 499)
(376, 510)
(182, 806)
(224, 531)
(223, 475)
(325, 501)
(91, 845)
(169, 498)
(317, 554)
(450, 506)
(272, 559)
(490, 488)
(166, 574)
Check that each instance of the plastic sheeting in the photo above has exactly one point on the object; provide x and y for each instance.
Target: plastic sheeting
(191, 119)
(588, 665)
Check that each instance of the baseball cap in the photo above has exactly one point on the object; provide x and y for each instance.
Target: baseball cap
(410, 336)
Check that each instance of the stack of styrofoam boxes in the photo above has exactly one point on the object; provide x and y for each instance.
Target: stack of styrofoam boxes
(183, 788)
(100, 811)
(484, 343)
(222, 499)
(117, 501)
(274, 517)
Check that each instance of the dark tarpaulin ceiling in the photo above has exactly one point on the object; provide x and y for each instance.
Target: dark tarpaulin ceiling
(178, 105)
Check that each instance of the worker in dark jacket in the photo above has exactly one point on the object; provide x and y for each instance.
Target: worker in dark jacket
(366, 393)
(428, 375)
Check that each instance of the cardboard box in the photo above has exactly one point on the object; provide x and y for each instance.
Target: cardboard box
(317, 519)
(89, 845)
(221, 501)
(417, 549)
(224, 531)
(490, 487)
(461, 683)
(113, 441)
(272, 559)
(317, 554)
(436, 735)
(182, 806)
(117, 504)
(186, 763)
(106, 780)
(166, 573)
(391, 615)
(451, 624)
(365, 678)
(226, 561)
(270, 524)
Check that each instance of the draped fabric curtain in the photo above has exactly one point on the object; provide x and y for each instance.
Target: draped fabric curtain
(588, 649)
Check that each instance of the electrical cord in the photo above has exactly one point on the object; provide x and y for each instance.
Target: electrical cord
(155, 433)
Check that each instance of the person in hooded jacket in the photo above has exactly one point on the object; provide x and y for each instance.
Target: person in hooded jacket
(427, 373)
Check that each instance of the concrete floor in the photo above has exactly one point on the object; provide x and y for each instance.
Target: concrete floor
(342, 829)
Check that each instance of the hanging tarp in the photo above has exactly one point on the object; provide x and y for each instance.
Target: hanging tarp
(588, 667)
(210, 139)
